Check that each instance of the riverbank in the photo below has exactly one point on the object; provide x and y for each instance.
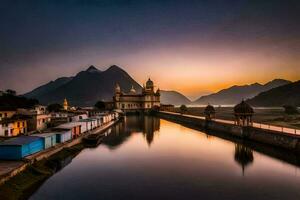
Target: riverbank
(23, 184)
(14, 168)
(272, 116)
(275, 138)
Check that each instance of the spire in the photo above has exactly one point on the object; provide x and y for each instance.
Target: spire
(132, 90)
(65, 105)
(117, 88)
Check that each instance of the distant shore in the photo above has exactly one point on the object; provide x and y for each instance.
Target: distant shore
(267, 115)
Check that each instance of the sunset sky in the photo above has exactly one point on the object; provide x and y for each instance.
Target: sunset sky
(194, 47)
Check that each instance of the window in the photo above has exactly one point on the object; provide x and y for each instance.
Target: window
(5, 114)
(23, 124)
(6, 132)
(18, 124)
(43, 120)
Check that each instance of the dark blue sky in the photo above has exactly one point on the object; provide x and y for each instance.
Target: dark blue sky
(42, 40)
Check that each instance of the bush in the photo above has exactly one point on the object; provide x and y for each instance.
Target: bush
(100, 105)
(183, 109)
(55, 107)
(10, 101)
(290, 110)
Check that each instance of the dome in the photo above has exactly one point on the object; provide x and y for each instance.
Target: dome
(243, 108)
(132, 90)
(149, 83)
(158, 91)
(209, 109)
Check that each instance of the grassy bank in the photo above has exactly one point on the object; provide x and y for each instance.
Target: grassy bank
(24, 184)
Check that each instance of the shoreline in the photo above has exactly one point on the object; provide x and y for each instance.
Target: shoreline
(23, 184)
(31, 160)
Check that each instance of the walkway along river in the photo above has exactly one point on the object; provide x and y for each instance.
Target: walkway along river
(145, 157)
(277, 138)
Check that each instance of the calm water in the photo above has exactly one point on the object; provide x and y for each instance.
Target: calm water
(149, 158)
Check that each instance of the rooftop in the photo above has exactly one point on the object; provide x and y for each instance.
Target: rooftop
(21, 140)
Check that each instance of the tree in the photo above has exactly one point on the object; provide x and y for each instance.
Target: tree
(13, 102)
(183, 109)
(11, 92)
(55, 107)
(100, 105)
(290, 110)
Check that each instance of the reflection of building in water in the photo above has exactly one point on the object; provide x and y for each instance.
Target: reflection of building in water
(151, 125)
(243, 156)
(147, 125)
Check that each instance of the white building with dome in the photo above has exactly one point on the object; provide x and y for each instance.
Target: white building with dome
(132, 101)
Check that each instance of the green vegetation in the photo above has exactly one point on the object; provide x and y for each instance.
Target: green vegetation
(290, 110)
(183, 109)
(24, 184)
(9, 101)
(100, 105)
(11, 92)
(55, 107)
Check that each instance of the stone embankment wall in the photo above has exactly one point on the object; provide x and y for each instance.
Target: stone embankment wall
(270, 137)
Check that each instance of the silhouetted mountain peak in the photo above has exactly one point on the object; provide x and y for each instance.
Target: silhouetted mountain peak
(277, 82)
(256, 84)
(287, 94)
(115, 68)
(92, 68)
(173, 97)
(234, 94)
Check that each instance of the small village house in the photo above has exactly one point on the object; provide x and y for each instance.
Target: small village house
(49, 139)
(63, 135)
(20, 147)
(7, 113)
(38, 118)
(75, 128)
(13, 126)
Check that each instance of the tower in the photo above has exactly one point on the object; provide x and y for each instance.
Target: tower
(117, 92)
(66, 106)
(149, 85)
(117, 96)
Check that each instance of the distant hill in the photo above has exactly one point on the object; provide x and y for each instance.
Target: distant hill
(86, 87)
(235, 93)
(52, 85)
(284, 95)
(173, 97)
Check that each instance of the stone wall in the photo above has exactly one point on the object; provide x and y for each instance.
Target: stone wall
(274, 138)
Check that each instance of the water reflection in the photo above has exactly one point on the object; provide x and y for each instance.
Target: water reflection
(181, 164)
(243, 156)
(147, 125)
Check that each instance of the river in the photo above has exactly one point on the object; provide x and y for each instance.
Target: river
(151, 158)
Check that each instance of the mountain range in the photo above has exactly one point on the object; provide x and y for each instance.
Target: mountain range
(173, 97)
(288, 94)
(86, 88)
(235, 94)
(92, 85)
